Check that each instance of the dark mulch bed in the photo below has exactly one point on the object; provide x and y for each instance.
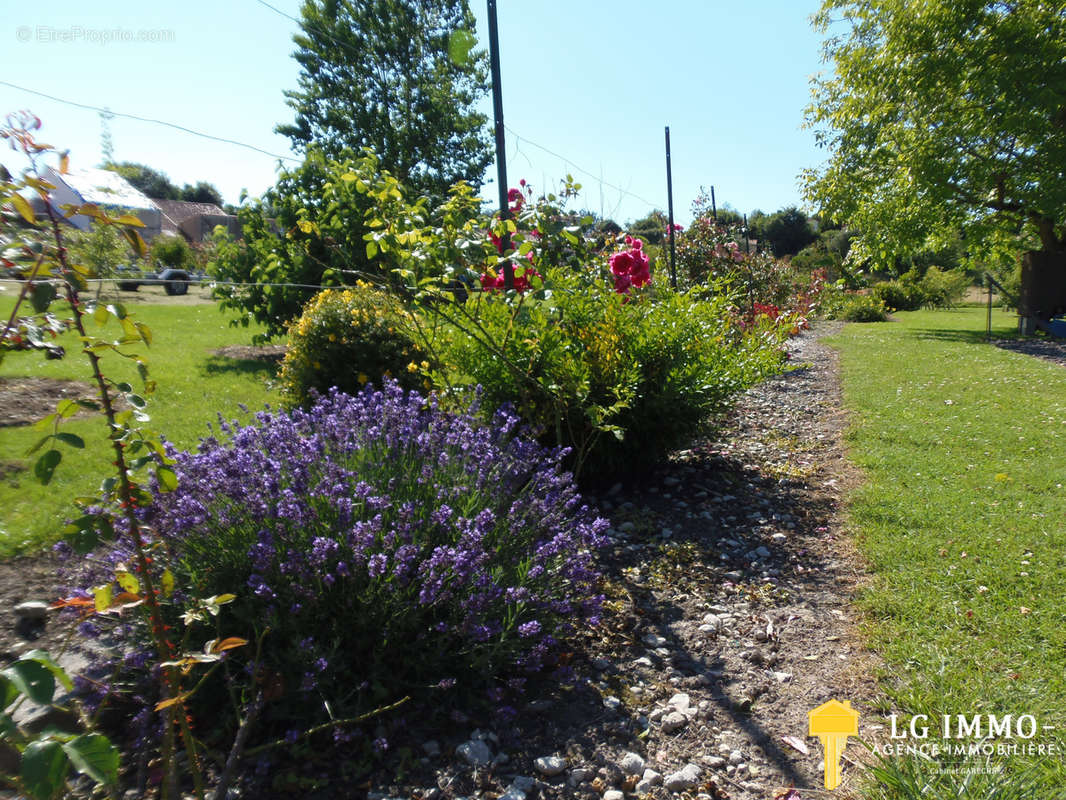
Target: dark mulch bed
(1053, 350)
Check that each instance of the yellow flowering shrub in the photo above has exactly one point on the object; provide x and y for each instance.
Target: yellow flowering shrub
(348, 337)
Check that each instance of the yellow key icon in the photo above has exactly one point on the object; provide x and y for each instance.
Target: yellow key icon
(833, 722)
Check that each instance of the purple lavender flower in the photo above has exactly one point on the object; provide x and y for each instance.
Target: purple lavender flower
(370, 527)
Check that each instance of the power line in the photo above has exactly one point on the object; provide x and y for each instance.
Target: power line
(306, 25)
(164, 123)
(569, 162)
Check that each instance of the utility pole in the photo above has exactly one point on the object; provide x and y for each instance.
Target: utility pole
(501, 149)
(670, 209)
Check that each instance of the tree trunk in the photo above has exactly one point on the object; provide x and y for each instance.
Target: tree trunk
(1043, 289)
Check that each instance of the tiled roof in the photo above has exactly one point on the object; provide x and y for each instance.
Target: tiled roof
(176, 212)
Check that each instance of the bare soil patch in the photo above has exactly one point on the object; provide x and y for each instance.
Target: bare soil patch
(23, 401)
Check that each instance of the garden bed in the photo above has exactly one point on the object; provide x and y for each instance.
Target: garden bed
(729, 582)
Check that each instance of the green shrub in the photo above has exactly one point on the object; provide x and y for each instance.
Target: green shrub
(171, 251)
(899, 295)
(944, 288)
(346, 338)
(935, 289)
(619, 379)
(863, 308)
(309, 229)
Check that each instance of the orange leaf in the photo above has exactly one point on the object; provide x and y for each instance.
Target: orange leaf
(228, 644)
(171, 701)
(73, 602)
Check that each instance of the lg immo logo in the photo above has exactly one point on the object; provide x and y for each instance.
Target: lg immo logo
(833, 722)
(952, 735)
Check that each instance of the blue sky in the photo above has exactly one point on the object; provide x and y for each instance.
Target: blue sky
(594, 82)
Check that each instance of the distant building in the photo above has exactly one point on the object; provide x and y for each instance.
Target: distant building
(103, 188)
(195, 221)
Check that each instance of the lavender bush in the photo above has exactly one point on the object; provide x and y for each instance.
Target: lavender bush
(388, 546)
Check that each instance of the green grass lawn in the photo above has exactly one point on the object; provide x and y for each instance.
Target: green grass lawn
(963, 521)
(193, 387)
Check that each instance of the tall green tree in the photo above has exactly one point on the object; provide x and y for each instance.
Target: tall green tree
(788, 231)
(144, 179)
(941, 117)
(399, 77)
(202, 192)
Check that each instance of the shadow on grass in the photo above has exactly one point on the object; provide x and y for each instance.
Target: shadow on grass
(965, 336)
(264, 366)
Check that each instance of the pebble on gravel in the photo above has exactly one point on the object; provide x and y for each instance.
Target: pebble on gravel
(679, 702)
(674, 721)
(550, 765)
(475, 753)
(32, 610)
(632, 764)
(683, 779)
(614, 794)
(579, 775)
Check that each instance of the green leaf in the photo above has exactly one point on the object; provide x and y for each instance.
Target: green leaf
(129, 219)
(41, 657)
(42, 296)
(8, 691)
(95, 756)
(39, 443)
(44, 424)
(72, 439)
(33, 679)
(46, 466)
(102, 596)
(100, 314)
(168, 481)
(166, 581)
(67, 408)
(44, 769)
(83, 540)
(128, 582)
(136, 400)
(136, 242)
